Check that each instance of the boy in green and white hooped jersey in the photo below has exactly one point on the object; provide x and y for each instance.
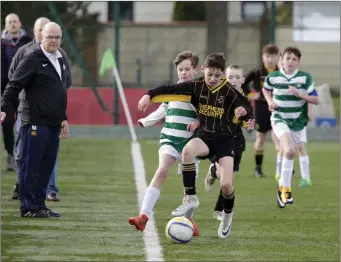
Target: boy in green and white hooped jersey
(302, 151)
(292, 90)
(174, 136)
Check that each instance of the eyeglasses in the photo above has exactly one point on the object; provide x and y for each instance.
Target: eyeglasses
(58, 37)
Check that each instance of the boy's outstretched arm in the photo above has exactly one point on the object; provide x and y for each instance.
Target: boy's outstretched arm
(177, 92)
(154, 117)
(181, 92)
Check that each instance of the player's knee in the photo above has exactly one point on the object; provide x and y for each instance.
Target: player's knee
(188, 155)
(260, 140)
(289, 153)
(302, 150)
(226, 187)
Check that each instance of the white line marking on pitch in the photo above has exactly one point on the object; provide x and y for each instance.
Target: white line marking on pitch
(153, 249)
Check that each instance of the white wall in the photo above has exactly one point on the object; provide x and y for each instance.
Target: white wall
(163, 11)
(316, 21)
(157, 11)
(153, 11)
(101, 8)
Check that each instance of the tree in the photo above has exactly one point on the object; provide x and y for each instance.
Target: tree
(189, 11)
(215, 13)
(284, 13)
(27, 11)
(217, 25)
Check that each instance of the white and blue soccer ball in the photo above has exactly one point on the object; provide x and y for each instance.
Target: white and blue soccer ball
(179, 230)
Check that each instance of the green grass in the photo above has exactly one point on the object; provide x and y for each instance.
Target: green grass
(98, 194)
(308, 230)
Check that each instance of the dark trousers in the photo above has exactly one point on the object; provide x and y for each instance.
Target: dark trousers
(52, 185)
(8, 132)
(39, 147)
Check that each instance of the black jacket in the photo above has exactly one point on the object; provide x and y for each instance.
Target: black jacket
(29, 47)
(8, 51)
(4, 77)
(45, 94)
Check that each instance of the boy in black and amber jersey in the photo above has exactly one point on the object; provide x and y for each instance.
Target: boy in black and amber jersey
(235, 77)
(270, 57)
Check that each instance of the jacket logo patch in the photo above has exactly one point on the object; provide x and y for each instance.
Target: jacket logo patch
(221, 99)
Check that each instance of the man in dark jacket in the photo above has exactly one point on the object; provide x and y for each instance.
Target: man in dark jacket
(42, 75)
(12, 39)
(52, 189)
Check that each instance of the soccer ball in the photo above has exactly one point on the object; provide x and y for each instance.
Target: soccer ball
(179, 230)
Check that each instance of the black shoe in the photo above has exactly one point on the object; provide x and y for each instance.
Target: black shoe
(279, 199)
(50, 213)
(259, 172)
(290, 199)
(15, 192)
(34, 214)
(214, 171)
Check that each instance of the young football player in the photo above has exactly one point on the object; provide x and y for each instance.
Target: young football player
(217, 104)
(301, 149)
(270, 57)
(173, 138)
(288, 92)
(235, 77)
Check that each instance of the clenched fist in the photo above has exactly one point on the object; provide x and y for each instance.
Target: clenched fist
(144, 103)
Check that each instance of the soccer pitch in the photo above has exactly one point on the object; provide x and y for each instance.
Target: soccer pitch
(98, 195)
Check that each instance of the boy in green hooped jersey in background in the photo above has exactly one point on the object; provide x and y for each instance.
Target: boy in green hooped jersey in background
(292, 90)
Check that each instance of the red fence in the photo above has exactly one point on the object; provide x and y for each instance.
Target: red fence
(84, 109)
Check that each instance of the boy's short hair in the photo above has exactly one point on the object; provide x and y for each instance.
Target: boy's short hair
(270, 49)
(293, 50)
(236, 67)
(184, 55)
(215, 60)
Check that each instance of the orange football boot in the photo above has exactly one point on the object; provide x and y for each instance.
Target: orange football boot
(195, 227)
(139, 222)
